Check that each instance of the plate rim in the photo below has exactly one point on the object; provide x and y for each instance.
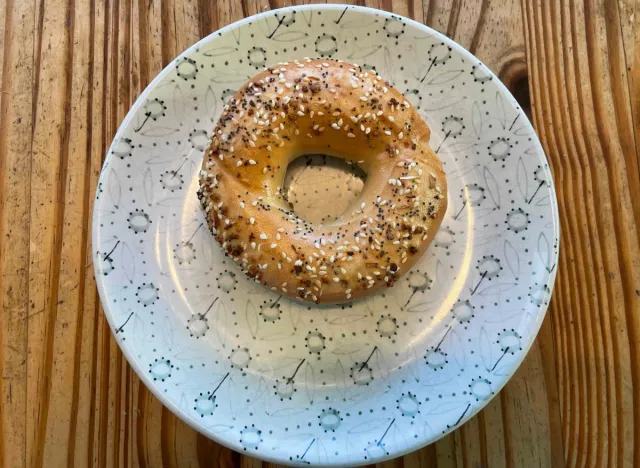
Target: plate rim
(167, 401)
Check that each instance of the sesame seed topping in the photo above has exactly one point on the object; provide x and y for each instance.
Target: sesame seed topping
(374, 235)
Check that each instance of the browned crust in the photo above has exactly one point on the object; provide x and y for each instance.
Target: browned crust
(334, 108)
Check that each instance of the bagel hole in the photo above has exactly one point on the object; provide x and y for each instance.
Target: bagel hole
(320, 188)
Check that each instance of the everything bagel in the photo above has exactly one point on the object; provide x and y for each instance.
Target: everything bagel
(334, 108)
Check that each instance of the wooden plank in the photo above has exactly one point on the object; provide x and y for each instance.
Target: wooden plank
(493, 434)
(449, 451)
(250, 462)
(423, 458)
(438, 14)
(63, 398)
(88, 370)
(629, 16)
(471, 442)
(574, 92)
(395, 463)
(252, 7)
(526, 415)
(545, 343)
(16, 112)
(49, 164)
(214, 455)
(153, 437)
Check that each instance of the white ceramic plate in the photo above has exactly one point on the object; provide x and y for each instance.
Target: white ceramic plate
(333, 385)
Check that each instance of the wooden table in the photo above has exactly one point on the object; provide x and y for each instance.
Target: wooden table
(70, 69)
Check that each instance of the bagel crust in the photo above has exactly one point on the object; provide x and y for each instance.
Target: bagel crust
(334, 108)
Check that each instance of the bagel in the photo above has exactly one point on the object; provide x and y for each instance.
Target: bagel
(338, 109)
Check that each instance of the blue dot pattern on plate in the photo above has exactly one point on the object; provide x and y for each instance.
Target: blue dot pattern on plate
(331, 385)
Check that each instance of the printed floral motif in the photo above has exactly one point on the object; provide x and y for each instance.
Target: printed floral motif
(327, 385)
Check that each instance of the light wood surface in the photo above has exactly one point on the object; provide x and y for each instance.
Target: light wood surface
(70, 69)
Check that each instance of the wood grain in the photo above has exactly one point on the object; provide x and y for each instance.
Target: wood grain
(70, 69)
